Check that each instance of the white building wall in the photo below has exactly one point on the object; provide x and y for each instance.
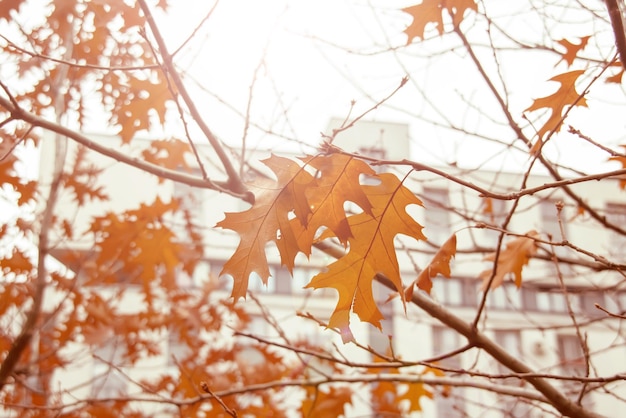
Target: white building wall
(413, 332)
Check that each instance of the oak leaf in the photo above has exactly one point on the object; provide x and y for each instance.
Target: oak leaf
(566, 96)
(511, 260)
(572, 49)
(290, 210)
(431, 11)
(371, 251)
(337, 182)
(440, 264)
(268, 220)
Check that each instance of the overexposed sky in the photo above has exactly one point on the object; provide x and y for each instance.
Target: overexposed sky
(309, 59)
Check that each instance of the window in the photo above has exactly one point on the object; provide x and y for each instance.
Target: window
(379, 339)
(505, 297)
(108, 381)
(552, 228)
(453, 292)
(573, 363)
(255, 283)
(588, 300)
(616, 214)
(495, 213)
(448, 292)
(552, 301)
(437, 218)
(446, 340)
(571, 356)
(511, 341)
(282, 280)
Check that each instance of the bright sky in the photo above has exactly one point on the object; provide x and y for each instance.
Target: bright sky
(309, 59)
(319, 55)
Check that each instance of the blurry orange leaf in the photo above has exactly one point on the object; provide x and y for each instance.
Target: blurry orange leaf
(488, 206)
(572, 49)
(7, 6)
(168, 153)
(142, 97)
(432, 11)
(399, 399)
(511, 260)
(617, 77)
(565, 96)
(440, 264)
(83, 178)
(371, 251)
(16, 263)
(319, 403)
(141, 238)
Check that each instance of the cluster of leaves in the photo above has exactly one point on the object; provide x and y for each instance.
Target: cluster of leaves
(305, 205)
(87, 49)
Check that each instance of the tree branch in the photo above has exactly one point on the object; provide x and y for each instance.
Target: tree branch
(557, 399)
(234, 181)
(617, 23)
(20, 114)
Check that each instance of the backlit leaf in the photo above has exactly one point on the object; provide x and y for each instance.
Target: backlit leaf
(432, 12)
(511, 260)
(371, 251)
(440, 264)
(572, 49)
(289, 211)
(268, 220)
(566, 96)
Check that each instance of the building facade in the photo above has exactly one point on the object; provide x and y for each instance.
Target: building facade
(533, 322)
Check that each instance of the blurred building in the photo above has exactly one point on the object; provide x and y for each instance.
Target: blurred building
(533, 323)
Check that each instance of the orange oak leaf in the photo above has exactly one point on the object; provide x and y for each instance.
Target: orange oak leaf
(565, 96)
(371, 251)
(572, 49)
(268, 220)
(16, 263)
(432, 11)
(511, 260)
(337, 182)
(622, 160)
(290, 210)
(440, 264)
